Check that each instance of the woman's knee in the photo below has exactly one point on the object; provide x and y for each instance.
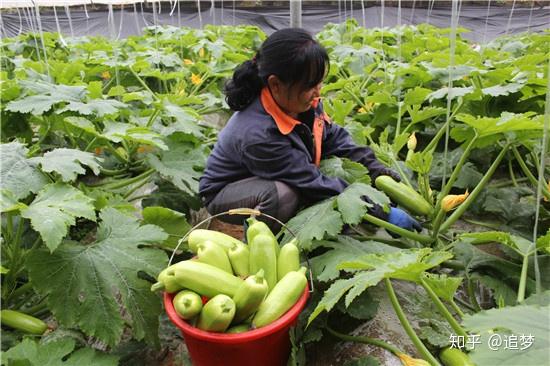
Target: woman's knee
(287, 198)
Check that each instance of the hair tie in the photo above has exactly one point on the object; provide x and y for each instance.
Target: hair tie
(254, 60)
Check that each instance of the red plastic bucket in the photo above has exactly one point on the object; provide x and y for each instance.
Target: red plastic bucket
(266, 346)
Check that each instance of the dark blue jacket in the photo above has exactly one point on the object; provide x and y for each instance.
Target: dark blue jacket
(252, 144)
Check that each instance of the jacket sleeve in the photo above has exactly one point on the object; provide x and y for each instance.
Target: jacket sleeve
(337, 142)
(278, 160)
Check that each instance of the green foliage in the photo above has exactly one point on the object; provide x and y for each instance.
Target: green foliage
(89, 285)
(19, 175)
(172, 222)
(511, 323)
(68, 163)
(60, 352)
(54, 209)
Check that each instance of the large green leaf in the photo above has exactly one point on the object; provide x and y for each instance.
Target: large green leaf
(96, 286)
(117, 132)
(173, 222)
(444, 286)
(372, 268)
(68, 163)
(98, 107)
(58, 352)
(522, 246)
(346, 169)
(344, 249)
(54, 209)
(353, 207)
(523, 331)
(19, 175)
(184, 120)
(47, 95)
(507, 122)
(181, 165)
(314, 223)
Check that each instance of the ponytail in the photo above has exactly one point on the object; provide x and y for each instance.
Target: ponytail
(244, 86)
(291, 54)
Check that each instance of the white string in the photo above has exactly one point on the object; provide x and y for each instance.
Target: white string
(58, 27)
(121, 21)
(510, 17)
(486, 23)
(200, 15)
(363, 13)
(530, 15)
(68, 12)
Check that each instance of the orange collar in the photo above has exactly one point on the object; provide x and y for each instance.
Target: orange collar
(284, 122)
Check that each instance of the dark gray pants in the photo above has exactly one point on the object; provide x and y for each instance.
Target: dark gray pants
(274, 198)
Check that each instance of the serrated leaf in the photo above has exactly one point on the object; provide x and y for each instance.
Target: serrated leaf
(363, 307)
(47, 96)
(3, 270)
(505, 89)
(416, 95)
(116, 132)
(522, 246)
(404, 265)
(172, 222)
(455, 92)
(518, 321)
(351, 205)
(97, 107)
(19, 175)
(68, 163)
(324, 266)
(419, 115)
(348, 170)
(92, 286)
(185, 120)
(181, 164)
(502, 293)
(444, 286)
(55, 353)
(314, 223)
(54, 209)
(82, 124)
(8, 202)
(507, 122)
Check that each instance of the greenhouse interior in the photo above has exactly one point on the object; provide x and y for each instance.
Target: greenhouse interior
(221, 183)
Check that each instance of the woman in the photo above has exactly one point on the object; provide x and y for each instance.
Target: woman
(267, 156)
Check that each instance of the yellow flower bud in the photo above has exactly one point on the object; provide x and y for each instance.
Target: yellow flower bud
(187, 61)
(409, 361)
(196, 79)
(411, 143)
(201, 52)
(361, 110)
(105, 75)
(450, 201)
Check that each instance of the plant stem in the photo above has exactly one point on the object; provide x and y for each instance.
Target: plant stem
(131, 191)
(511, 172)
(528, 173)
(401, 173)
(523, 279)
(485, 224)
(433, 144)
(396, 229)
(456, 172)
(472, 296)
(407, 326)
(153, 116)
(507, 183)
(443, 310)
(471, 198)
(140, 80)
(456, 308)
(367, 340)
(130, 181)
(90, 144)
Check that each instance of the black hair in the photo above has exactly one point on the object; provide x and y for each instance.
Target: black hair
(291, 54)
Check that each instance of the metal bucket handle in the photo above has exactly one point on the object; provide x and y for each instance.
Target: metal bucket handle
(245, 212)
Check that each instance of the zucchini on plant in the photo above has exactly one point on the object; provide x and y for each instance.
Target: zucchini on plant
(404, 195)
(23, 322)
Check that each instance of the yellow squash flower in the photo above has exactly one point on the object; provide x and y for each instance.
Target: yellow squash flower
(201, 52)
(361, 110)
(409, 361)
(187, 61)
(450, 201)
(411, 143)
(105, 75)
(196, 79)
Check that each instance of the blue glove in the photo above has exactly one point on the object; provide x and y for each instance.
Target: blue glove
(402, 219)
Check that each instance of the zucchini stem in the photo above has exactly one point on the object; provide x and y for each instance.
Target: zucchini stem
(408, 327)
(367, 340)
(424, 239)
(443, 310)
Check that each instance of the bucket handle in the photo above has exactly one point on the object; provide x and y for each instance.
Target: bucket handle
(245, 212)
